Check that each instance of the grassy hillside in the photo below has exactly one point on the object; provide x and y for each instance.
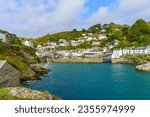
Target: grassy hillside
(55, 37)
(19, 56)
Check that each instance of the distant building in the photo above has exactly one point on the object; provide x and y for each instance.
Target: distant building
(116, 42)
(136, 50)
(50, 45)
(116, 54)
(95, 43)
(74, 43)
(77, 55)
(28, 43)
(39, 47)
(41, 54)
(81, 41)
(89, 38)
(63, 44)
(90, 34)
(84, 34)
(9, 75)
(133, 50)
(63, 54)
(103, 30)
(62, 40)
(92, 53)
(6, 38)
(102, 36)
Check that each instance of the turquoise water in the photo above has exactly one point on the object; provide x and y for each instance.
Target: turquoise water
(95, 82)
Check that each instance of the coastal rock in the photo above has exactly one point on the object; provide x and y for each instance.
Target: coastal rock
(39, 69)
(25, 93)
(144, 67)
(29, 74)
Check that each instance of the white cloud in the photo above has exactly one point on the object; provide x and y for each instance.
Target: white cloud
(37, 17)
(34, 18)
(122, 11)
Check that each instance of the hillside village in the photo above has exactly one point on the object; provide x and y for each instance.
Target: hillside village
(52, 48)
(97, 41)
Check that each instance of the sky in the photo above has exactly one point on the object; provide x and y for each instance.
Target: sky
(34, 18)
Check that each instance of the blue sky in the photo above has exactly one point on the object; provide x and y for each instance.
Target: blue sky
(33, 18)
(93, 6)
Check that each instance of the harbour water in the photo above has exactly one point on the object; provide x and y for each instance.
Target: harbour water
(95, 82)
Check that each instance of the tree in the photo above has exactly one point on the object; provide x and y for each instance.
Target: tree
(95, 28)
(139, 32)
(125, 31)
(83, 30)
(105, 26)
(75, 30)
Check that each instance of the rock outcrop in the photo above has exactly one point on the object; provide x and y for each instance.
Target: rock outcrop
(144, 67)
(39, 69)
(25, 93)
(33, 72)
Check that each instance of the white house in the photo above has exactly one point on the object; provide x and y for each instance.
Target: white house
(103, 30)
(63, 44)
(105, 49)
(91, 53)
(94, 38)
(89, 38)
(117, 54)
(41, 54)
(116, 42)
(95, 43)
(83, 34)
(39, 47)
(76, 54)
(81, 41)
(28, 43)
(102, 36)
(85, 37)
(133, 50)
(74, 43)
(62, 40)
(63, 53)
(50, 44)
(90, 34)
(137, 50)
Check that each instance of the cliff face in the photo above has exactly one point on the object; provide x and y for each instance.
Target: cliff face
(9, 76)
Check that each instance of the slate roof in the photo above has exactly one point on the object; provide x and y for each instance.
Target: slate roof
(2, 62)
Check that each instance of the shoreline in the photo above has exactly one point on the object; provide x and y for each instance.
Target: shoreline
(76, 60)
(139, 67)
